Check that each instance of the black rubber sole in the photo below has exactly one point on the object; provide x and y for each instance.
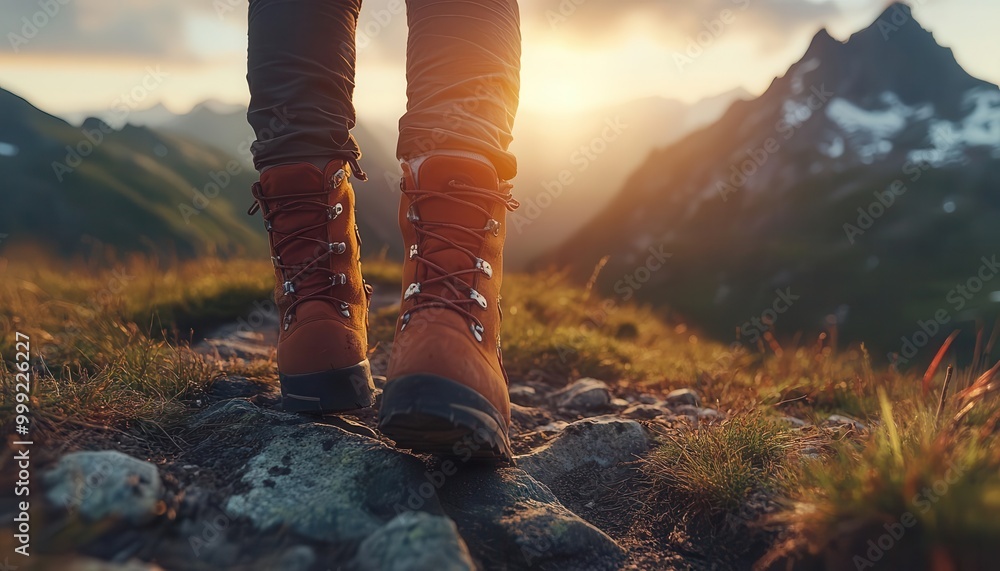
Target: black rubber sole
(434, 415)
(338, 390)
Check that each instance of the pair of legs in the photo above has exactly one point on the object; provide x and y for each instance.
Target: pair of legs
(447, 390)
(462, 71)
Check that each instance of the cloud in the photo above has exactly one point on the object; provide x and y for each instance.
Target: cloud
(143, 28)
(600, 20)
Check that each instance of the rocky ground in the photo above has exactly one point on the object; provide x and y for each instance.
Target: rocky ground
(246, 486)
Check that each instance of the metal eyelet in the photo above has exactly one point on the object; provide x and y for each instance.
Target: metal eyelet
(334, 211)
(412, 290)
(480, 299)
(289, 288)
(411, 215)
(493, 226)
(338, 279)
(414, 250)
(477, 330)
(337, 247)
(275, 260)
(287, 321)
(337, 178)
(345, 309)
(485, 267)
(268, 226)
(405, 319)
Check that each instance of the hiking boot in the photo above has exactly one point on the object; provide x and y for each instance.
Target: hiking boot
(447, 388)
(321, 298)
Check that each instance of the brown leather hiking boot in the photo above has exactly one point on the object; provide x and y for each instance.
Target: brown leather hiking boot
(447, 389)
(322, 300)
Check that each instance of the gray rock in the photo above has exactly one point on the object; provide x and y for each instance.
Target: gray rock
(643, 412)
(104, 484)
(318, 480)
(709, 414)
(523, 395)
(414, 541)
(600, 442)
(525, 418)
(619, 403)
(236, 387)
(584, 395)
(648, 399)
(687, 410)
(794, 422)
(510, 521)
(297, 558)
(839, 421)
(88, 564)
(683, 396)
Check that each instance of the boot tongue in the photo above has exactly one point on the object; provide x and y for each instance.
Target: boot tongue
(298, 213)
(434, 174)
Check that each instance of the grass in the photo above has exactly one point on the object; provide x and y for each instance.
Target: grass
(719, 468)
(109, 347)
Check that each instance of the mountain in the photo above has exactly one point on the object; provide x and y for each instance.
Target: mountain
(861, 188)
(70, 189)
(578, 147)
(225, 128)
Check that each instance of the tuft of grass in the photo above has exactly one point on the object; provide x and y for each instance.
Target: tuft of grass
(717, 469)
(938, 487)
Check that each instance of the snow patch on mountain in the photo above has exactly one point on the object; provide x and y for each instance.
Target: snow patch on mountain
(798, 86)
(980, 128)
(870, 131)
(8, 149)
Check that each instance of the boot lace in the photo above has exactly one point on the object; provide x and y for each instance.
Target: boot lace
(464, 298)
(294, 275)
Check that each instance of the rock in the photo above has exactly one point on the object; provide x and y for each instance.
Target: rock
(318, 480)
(619, 403)
(511, 521)
(523, 395)
(709, 414)
(88, 564)
(793, 422)
(584, 395)
(600, 442)
(643, 412)
(526, 418)
(227, 388)
(687, 410)
(104, 484)
(554, 427)
(838, 421)
(297, 558)
(413, 541)
(648, 399)
(682, 397)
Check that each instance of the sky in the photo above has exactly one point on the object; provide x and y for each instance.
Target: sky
(88, 55)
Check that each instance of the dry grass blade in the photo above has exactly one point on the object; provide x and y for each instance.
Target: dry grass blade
(936, 362)
(944, 395)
